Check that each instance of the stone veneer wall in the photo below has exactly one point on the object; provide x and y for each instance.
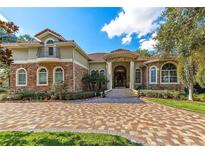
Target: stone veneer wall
(160, 86)
(79, 73)
(31, 69)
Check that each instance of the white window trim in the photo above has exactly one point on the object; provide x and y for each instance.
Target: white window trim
(102, 70)
(161, 74)
(140, 75)
(54, 70)
(46, 46)
(150, 74)
(17, 77)
(37, 74)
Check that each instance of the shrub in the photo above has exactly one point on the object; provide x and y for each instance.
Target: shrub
(162, 94)
(59, 91)
(29, 95)
(80, 95)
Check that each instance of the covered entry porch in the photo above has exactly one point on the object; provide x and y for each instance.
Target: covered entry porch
(124, 70)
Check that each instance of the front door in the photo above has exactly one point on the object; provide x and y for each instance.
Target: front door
(120, 76)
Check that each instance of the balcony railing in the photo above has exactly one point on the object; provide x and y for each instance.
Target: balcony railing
(44, 53)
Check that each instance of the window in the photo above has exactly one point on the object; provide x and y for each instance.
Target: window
(138, 76)
(59, 75)
(21, 77)
(42, 76)
(50, 42)
(92, 72)
(153, 75)
(169, 73)
(102, 72)
(50, 51)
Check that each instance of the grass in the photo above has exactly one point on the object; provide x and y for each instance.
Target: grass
(200, 97)
(61, 139)
(198, 107)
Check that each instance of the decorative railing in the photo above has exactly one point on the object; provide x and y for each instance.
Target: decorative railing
(43, 53)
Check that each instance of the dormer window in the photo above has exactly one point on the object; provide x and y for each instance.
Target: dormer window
(50, 42)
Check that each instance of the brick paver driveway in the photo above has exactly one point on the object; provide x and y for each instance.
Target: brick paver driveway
(151, 124)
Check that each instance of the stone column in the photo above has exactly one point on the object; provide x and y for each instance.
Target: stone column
(109, 75)
(132, 75)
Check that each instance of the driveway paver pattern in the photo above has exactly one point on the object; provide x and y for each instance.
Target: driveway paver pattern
(148, 123)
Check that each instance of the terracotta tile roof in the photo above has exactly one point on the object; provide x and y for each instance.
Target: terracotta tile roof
(120, 51)
(97, 56)
(51, 31)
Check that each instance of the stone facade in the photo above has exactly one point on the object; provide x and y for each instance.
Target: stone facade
(79, 73)
(32, 75)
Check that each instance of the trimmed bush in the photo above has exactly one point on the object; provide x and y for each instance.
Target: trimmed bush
(162, 94)
(29, 95)
(59, 91)
(80, 95)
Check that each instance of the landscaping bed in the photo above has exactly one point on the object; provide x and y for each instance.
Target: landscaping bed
(62, 139)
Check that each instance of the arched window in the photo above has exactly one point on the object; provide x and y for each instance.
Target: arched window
(21, 77)
(169, 73)
(42, 76)
(102, 72)
(138, 76)
(50, 47)
(50, 42)
(93, 72)
(153, 75)
(58, 74)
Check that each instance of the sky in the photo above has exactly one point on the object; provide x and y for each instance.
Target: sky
(94, 29)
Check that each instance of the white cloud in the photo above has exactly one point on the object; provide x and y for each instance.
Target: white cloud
(139, 21)
(2, 18)
(149, 43)
(127, 39)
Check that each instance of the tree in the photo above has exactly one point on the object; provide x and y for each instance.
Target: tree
(146, 53)
(26, 38)
(182, 35)
(95, 81)
(6, 54)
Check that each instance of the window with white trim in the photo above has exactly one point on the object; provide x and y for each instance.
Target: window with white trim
(50, 47)
(153, 75)
(59, 75)
(169, 73)
(102, 72)
(138, 76)
(42, 76)
(21, 77)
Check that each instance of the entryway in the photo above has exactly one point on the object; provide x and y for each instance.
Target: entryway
(120, 76)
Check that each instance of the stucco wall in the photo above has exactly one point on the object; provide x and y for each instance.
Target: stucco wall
(97, 66)
(20, 54)
(80, 58)
(66, 52)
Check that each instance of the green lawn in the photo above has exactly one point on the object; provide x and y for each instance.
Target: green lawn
(61, 139)
(198, 107)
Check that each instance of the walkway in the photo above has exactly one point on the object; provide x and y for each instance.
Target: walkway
(150, 124)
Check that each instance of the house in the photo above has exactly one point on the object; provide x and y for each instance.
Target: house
(38, 65)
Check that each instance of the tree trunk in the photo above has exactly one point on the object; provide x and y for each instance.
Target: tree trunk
(191, 91)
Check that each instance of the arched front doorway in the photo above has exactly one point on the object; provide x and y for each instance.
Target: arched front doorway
(120, 76)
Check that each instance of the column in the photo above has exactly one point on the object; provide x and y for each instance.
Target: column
(132, 75)
(109, 75)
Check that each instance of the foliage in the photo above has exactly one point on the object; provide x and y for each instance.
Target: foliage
(26, 38)
(182, 34)
(199, 97)
(162, 94)
(80, 95)
(95, 81)
(197, 107)
(61, 139)
(146, 53)
(59, 91)
(29, 95)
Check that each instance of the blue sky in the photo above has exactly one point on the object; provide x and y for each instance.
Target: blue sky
(94, 29)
